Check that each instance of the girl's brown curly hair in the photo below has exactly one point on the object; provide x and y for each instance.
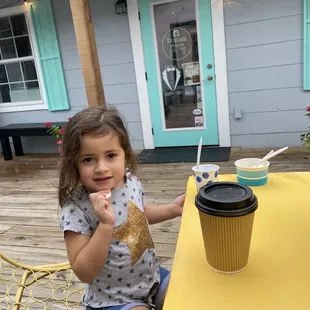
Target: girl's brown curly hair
(95, 121)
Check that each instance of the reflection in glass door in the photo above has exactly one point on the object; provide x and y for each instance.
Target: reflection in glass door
(178, 61)
(178, 48)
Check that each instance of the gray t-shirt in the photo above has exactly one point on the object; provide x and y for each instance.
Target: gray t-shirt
(131, 272)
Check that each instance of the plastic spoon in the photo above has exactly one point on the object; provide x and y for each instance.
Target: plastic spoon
(271, 155)
(199, 152)
(264, 158)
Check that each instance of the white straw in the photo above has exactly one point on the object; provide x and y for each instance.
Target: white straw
(199, 152)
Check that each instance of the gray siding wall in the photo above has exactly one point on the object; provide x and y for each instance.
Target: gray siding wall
(264, 41)
(117, 69)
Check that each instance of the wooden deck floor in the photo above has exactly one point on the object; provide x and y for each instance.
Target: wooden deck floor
(29, 223)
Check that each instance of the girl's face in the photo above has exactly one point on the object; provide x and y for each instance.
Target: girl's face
(101, 162)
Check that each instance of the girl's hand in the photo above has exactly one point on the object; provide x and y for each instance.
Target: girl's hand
(177, 205)
(103, 208)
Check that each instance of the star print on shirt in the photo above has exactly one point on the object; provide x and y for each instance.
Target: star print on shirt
(108, 287)
(128, 285)
(123, 194)
(134, 233)
(68, 223)
(72, 211)
(119, 213)
(80, 221)
(113, 202)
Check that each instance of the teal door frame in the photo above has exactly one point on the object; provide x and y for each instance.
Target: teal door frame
(181, 137)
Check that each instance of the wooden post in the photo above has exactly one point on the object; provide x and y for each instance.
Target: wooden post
(86, 42)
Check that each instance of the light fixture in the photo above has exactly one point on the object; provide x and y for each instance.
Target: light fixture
(120, 7)
(25, 2)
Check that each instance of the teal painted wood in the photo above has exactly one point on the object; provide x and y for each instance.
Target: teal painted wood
(181, 137)
(306, 77)
(46, 37)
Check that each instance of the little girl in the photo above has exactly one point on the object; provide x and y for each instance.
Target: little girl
(104, 216)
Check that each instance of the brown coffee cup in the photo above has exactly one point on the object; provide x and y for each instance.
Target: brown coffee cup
(226, 212)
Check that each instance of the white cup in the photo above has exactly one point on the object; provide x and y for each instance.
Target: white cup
(206, 174)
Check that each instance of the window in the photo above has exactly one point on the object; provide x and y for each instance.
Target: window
(19, 83)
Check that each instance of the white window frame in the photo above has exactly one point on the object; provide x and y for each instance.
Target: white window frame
(26, 105)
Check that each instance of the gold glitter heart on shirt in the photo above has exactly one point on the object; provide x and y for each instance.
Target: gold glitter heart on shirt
(135, 233)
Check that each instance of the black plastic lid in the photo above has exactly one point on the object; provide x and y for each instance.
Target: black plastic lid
(226, 199)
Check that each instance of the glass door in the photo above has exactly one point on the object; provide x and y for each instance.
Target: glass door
(178, 47)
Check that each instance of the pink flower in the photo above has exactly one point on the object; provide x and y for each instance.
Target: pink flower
(60, 142)
(48, 124)
(59, 164)
(69, 118)
(61, 131)
(60, 149)
(308, 108)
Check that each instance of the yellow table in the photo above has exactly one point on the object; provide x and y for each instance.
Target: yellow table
(277, 276)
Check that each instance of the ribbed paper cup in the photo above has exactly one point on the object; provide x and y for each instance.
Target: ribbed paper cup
(226, 212)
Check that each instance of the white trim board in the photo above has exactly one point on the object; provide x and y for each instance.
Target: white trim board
(138, 57)
(220, 66)
(220, 72)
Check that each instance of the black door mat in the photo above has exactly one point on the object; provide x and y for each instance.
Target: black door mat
(183, 155)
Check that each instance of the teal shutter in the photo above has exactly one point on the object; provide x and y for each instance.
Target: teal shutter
(306, 44)
(47, 42)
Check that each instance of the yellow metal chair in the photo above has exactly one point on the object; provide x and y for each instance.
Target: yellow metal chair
(52, 287)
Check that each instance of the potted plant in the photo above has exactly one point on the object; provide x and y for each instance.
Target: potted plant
(57, 132)
(305, 137)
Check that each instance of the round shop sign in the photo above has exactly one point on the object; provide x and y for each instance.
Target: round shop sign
(177, 43)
